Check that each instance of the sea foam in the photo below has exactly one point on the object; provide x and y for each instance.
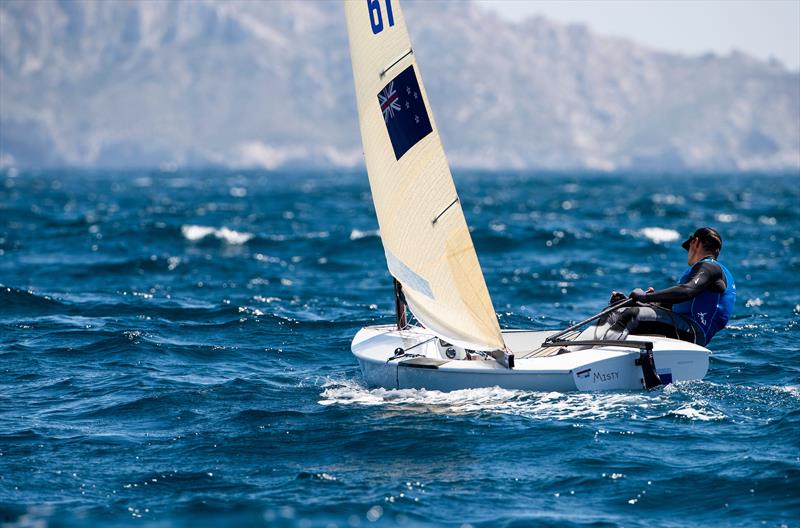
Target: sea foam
(357, 234)
(198, 232)
(659, 234)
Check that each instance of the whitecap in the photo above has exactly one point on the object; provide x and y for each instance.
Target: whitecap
(261, 298)
(768, 220)
(793, 391)
(233, 237)
(251, 311)
(197, 232)
(668, 199)
(753, 302)
(701, 414)
(725, 218)
(357, 234)
(659, 234)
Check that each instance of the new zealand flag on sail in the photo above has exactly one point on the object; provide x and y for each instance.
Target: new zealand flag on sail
(404, 112)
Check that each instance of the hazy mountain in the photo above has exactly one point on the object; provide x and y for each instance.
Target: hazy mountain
(246, 83)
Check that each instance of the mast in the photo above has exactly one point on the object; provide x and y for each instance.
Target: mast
(399, 305)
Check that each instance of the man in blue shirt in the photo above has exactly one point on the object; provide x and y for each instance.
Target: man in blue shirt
(693, 310)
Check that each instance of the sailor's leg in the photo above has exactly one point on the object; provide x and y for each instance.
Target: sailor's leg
(619, 324)
(655, 320)
(615, 325)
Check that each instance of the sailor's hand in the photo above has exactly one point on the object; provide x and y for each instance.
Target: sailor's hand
(616, 297)
(638, 294)
(650, 289)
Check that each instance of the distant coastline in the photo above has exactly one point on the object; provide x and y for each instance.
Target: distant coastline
(268, 85)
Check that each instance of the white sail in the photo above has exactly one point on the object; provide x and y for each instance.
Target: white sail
(425, 237)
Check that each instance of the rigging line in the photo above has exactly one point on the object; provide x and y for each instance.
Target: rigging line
(393, 64)
(444, 211)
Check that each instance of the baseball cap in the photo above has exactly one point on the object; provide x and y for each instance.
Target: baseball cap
(708, 236)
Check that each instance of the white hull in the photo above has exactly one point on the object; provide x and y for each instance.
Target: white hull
(426, 366)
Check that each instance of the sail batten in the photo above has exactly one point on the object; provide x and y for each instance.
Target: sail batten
(394, 62)
(426, 240)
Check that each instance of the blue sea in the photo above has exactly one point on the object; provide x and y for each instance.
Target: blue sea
(174, 352)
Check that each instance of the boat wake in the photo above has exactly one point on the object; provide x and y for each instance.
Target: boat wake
(675, 401)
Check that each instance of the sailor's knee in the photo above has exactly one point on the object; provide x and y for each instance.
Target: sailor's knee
(627, 319)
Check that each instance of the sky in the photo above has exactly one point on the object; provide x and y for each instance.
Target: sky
(763, 29)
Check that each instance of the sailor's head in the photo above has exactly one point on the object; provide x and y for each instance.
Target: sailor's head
(705, 242)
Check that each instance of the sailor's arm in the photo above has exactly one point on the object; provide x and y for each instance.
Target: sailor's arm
(703, 276)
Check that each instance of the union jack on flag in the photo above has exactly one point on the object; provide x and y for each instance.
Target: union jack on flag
(389, 102)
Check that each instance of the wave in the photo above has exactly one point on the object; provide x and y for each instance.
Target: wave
(137, 264)
(257, 416)
(697, 412)
(129, 304)
(23, 301)
(195, 233)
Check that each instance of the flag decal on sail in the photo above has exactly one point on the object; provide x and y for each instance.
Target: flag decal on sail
(388, 99)
(404, 112)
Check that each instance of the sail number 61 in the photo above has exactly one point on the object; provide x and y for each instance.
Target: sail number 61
(376, 17)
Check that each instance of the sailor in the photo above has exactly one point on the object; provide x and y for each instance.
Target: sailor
(693, 310)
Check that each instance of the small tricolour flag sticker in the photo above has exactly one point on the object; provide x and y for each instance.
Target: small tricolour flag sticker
(584, 373)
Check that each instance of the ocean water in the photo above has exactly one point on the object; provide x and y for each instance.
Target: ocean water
(174, 351)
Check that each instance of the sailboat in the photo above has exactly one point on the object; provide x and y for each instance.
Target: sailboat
(458, 342)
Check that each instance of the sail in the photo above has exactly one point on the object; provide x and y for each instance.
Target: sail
(425, 236)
